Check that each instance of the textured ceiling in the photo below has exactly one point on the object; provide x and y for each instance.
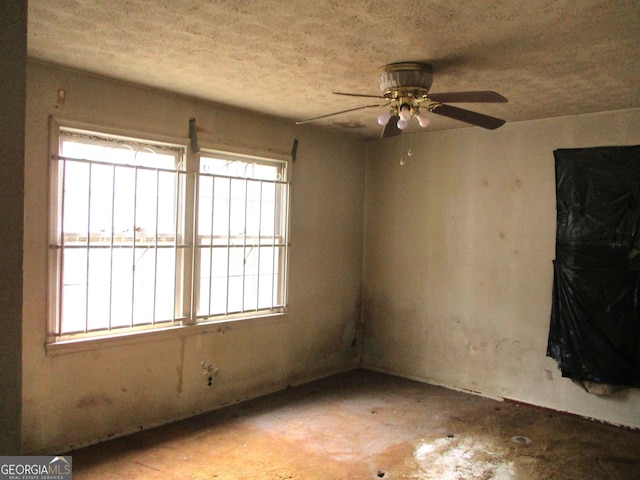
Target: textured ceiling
(285, 58)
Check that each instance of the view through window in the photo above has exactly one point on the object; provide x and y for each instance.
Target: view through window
(139, 242)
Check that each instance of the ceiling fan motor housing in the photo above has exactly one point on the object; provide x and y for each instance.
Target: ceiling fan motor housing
(397, 79)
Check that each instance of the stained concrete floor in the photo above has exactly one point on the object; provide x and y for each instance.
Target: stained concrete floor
(367, 425)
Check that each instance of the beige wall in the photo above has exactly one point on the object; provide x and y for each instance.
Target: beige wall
(74, 398)
(458, 259)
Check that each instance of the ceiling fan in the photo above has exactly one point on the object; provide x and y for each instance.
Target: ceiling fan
(405, 87)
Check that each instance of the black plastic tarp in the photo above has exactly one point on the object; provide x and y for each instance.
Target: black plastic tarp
(594, 333)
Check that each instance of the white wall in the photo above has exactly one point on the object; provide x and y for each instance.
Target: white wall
(459, 244)
(75, 398)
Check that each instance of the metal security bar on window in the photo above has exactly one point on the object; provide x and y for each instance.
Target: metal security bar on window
(119, 234)
(241, 236)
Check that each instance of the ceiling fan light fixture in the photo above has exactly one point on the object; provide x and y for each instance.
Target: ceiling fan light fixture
(402, 124)
(384, 118)
(405, 112)
(423, 120)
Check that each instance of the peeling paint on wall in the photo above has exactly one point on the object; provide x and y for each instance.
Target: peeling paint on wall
(94, 400)
(210, 372)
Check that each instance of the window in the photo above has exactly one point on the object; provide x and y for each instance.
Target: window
(241, 235)
(144, 236)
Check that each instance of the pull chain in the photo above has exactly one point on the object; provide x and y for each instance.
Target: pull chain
(403, 161)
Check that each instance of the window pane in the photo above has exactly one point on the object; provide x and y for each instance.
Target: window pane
(101, 214)
(237, 208)
(205, 281)
(122, 287)
(76, 196)
(254, 208)
(267, 215)
(236, 261)
(205, 206)
(221, 208)
(219, 296)
(123, 200)
(250, 293)
(268, 260)
(219, 270)
(167, 199)
(144, 286)
(146, 199)
(166, 285)
(74, 289)
(99, 290)
(235, 294)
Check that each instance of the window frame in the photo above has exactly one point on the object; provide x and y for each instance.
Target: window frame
(186, 280)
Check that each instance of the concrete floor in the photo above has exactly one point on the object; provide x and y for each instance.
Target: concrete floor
(367, 425)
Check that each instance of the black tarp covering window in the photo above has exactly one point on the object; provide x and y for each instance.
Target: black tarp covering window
(595, 328)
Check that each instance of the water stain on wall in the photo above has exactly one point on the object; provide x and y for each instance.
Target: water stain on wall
(94, 400)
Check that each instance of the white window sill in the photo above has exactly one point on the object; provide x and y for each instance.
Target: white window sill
(220, 326)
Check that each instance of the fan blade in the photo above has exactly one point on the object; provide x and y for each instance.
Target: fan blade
(483, 96)
(337, 113)
(391, 128)
(484, 121)
(358, 95)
